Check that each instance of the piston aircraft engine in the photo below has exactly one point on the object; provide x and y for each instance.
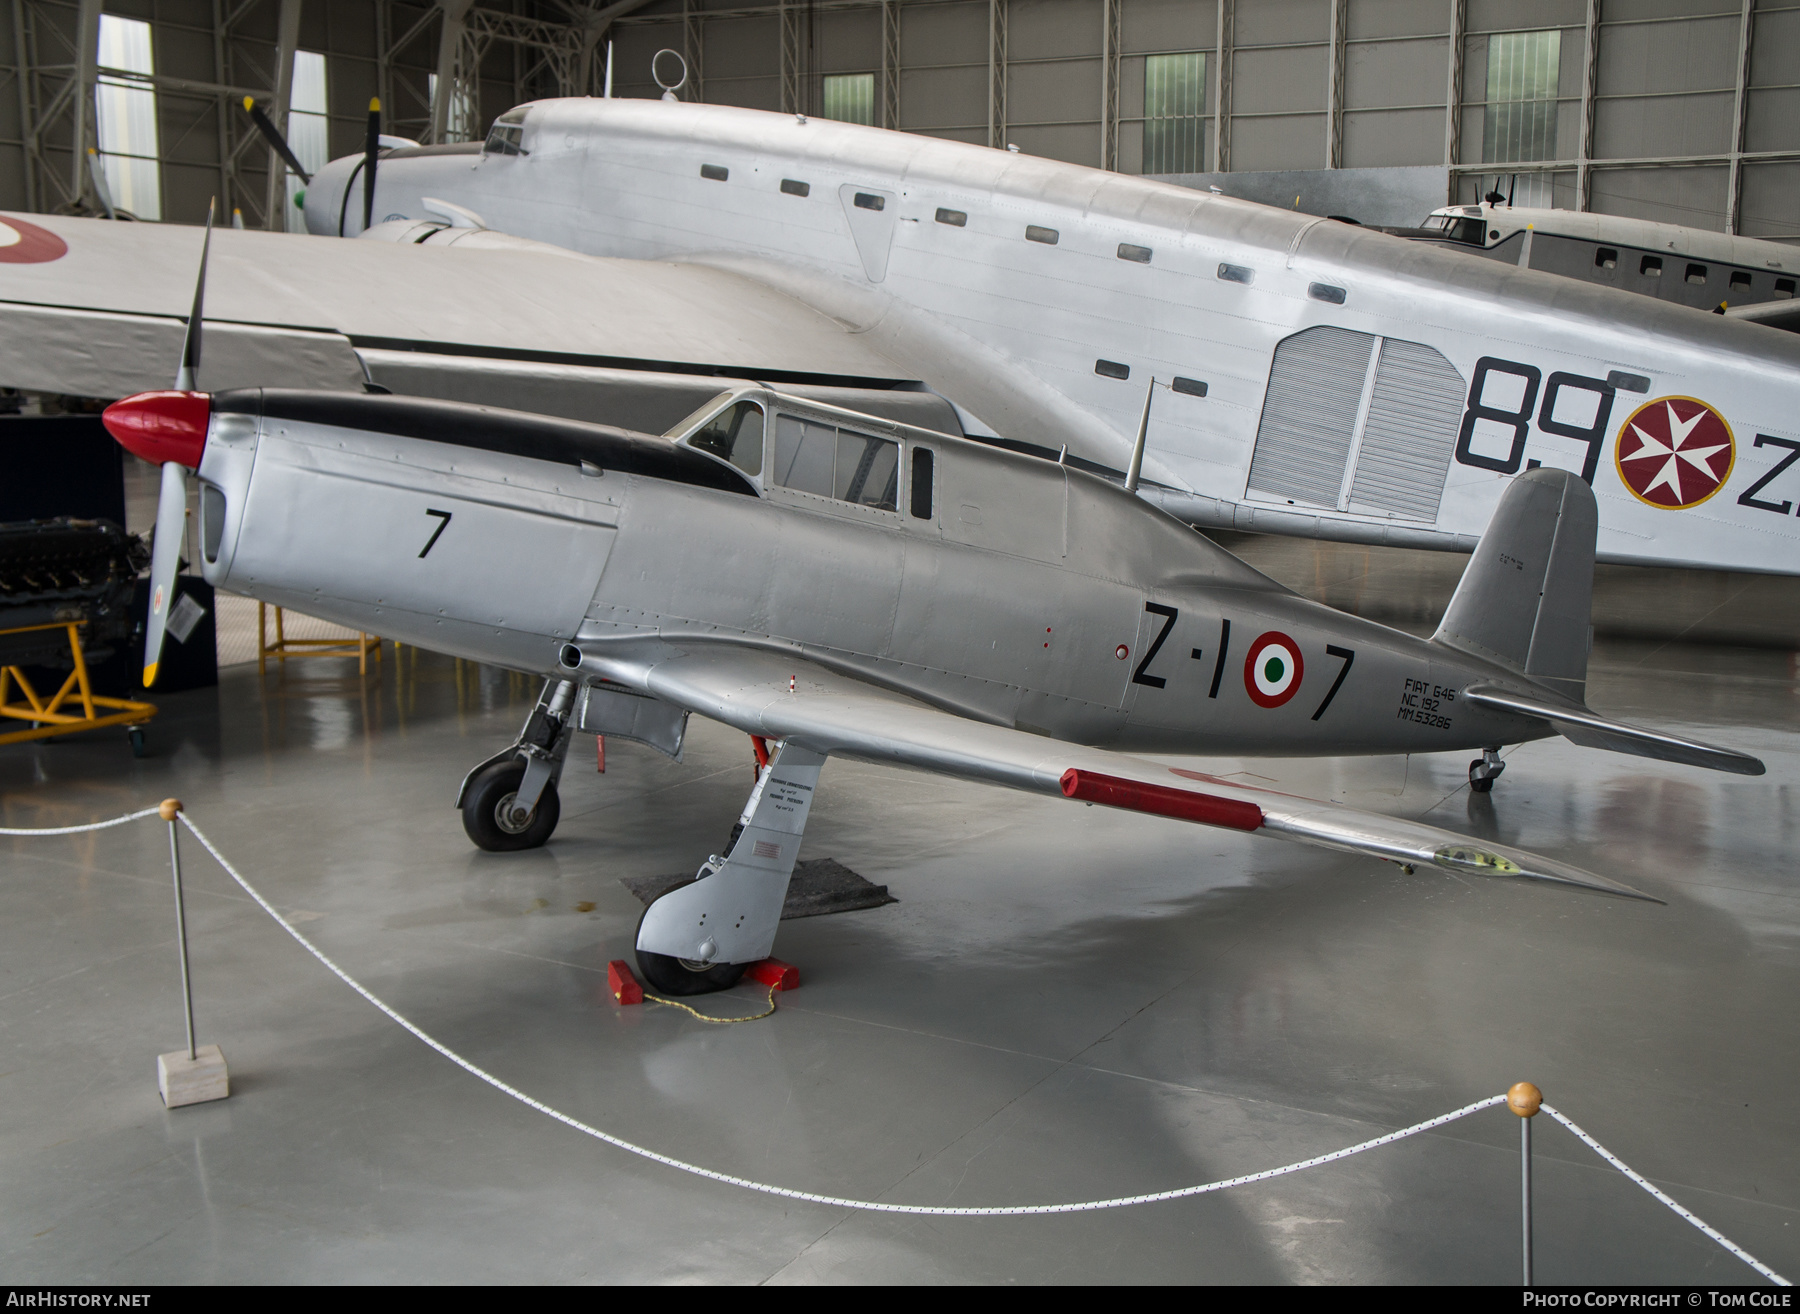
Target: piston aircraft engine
(890, 564)
(1323, 379)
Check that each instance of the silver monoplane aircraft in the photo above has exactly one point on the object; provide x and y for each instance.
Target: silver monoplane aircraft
(1324, 379)
(843, 585)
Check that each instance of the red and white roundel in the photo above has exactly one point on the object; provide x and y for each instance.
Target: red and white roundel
(1273, 670)
(1675, 452)
(27, 244)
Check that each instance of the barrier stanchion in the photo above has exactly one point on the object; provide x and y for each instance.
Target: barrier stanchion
(198, 1075)
(1525, 1099)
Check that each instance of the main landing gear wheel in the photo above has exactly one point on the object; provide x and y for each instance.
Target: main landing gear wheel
(487, 810)
(677, 976)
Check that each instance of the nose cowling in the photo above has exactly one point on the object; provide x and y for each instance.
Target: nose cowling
(161, 426)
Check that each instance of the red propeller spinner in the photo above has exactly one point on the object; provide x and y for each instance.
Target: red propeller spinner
(161, 426)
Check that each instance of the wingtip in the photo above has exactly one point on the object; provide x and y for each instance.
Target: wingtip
(150, 674)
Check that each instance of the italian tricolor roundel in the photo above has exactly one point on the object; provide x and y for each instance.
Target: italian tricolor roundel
(1273, 669)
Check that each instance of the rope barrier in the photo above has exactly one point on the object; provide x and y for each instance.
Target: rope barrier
(1691, 1217)
(76, 830)
(879, 1206)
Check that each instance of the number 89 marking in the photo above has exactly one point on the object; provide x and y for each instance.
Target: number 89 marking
(1519, 421)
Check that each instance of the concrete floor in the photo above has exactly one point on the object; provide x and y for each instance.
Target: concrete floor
(1066, 1003)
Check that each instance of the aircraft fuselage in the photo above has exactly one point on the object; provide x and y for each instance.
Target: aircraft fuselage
(1329, 380)
(1009, 589)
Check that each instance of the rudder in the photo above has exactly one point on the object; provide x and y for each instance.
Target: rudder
(1526, 596)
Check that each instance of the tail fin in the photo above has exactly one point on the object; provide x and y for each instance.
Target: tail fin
(1527, 593)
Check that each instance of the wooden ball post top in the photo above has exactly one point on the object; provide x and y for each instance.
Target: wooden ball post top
(168, 808)
(1524, 1099)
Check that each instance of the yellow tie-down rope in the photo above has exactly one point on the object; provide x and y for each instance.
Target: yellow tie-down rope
(754, 1017)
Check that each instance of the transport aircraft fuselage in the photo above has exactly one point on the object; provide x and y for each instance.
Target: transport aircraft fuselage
(1326, 380)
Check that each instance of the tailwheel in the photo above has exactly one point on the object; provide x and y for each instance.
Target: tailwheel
(669, 975)
(490, 817)
(1485, 770)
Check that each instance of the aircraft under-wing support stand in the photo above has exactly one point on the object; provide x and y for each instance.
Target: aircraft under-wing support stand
(695, 937)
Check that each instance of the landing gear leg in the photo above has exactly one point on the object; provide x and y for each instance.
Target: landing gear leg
(1485, 770)
(509, 802)
(701, 937)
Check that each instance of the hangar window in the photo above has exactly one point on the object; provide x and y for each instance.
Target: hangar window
(1606, 257)
(921, 483)
(715, 172)
(1784, 289)
(848, 97)
(955, 218)
(794, 188)
(1519, 122)
(127, 118)
(1139, 254)
(1326, 292)
(735, 434)
(1175, 113)
(1112, 369)
(1740, 280)
(1650, 266)
(1237, 274)
(1696, 274)
(308, 128)
(1192, 387)
(1048, 236)
(870, 201)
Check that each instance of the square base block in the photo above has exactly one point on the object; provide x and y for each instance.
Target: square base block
(184, 1080)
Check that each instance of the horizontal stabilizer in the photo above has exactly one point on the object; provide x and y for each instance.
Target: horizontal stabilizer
(1580, 726)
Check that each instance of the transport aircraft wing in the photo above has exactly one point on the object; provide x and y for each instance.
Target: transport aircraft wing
(789, 696)
(97, 309)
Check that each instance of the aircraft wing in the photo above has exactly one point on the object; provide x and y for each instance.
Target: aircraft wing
(785, 695)
(1775, 314)
(97, 309)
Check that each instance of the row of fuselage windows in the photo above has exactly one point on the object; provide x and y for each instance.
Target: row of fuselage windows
(812, 456)
(1130, 251)
(1649, 266)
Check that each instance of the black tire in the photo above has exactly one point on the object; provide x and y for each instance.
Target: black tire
(493, 790)
(1480, 784)
(136, 737)
(668, 975)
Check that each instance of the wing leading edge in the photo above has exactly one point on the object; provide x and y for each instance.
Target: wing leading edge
(790, 696)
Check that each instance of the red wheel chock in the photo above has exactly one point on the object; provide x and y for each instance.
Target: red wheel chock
(774, 972)
(623, 982)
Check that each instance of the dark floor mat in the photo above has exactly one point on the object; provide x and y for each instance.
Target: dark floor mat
(819, 886)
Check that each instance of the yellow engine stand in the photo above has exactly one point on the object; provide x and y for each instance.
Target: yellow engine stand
(284, 647)
(96, 709)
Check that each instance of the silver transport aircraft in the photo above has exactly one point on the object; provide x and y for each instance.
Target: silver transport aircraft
(889, 565)
(1312, 377)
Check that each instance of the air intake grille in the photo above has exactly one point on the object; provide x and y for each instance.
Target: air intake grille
(1324, 418)
(1309, 415)
(1410, 433)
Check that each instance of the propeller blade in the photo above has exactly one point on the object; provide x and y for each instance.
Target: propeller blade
(190, 342)
(275, 139)
(165, 560)
(370, 152)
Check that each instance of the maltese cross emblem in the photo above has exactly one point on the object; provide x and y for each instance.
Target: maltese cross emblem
(1675, 452)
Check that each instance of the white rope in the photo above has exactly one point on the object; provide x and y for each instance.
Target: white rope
(939, 1211)
(811, 1197)
(1687, 1214)
(76, 830)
